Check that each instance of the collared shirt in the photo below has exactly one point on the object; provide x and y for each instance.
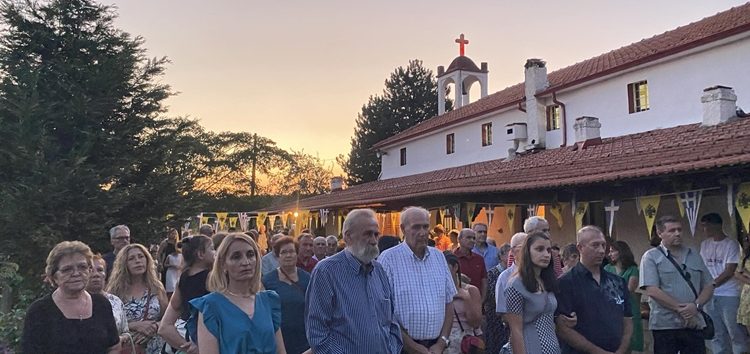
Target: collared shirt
(269, 263)
(501, 305)
(657, 270)
(349, 306)
(421, 288)
(489, 254)
(473, 266)
(600, 307)
(307, 266)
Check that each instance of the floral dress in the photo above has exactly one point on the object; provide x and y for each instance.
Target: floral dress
(118, 311)
(134, 311)
(743, 313)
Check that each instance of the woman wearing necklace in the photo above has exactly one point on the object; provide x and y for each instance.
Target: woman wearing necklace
(70, 320)
(134, 281)
(237, 317)
(290, 283)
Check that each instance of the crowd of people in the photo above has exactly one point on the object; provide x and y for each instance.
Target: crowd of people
(432, 292)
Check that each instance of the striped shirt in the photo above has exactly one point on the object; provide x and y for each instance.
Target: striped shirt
(421, 288)
(349, 306)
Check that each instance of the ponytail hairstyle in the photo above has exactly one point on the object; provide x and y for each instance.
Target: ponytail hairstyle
(191, 246)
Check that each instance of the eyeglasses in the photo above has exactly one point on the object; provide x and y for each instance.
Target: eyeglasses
(122, 238)
(288, 252)
(70, 270)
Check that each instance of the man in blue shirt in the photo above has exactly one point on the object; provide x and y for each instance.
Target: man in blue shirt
(349, 303)
(599, 299)
(484, 249)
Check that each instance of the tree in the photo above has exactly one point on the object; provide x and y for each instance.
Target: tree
(409, 97)
(304, 175)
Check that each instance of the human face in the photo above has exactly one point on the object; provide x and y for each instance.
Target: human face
(72, 274)
(614, 255)
(240, 262)
(362, 240)
(98, 275)
(503, 257)
(571, 261)
(592, 248)
(544, 227)
(467, 240)
(120, 239)
(416, 231)
(305, 248)
(540, 252)
(320, 248)
(172, 235)
(332, 247)
(287, 255)
(710, 229)
(481, 232)
(671, 236)
(209, 253)
(136, 261)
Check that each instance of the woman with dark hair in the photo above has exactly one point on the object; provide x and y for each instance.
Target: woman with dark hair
(623, 264)
(570, 257)
(467, 307)
(531, 301)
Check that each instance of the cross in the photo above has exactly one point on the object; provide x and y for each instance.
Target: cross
(489, 211)
(611, 209)
(461, 43)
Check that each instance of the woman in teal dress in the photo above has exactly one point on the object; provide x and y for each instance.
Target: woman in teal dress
(623, 264)
(236, 317)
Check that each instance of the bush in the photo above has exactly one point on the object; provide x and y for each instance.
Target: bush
(11, 322)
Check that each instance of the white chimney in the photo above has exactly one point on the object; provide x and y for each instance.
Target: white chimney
(337, 183)
(535, 81)
(719, 105)
(587, 132)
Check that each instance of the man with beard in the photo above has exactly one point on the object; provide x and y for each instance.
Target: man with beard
(349, 302)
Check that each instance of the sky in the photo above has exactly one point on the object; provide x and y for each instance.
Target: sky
(298, 72)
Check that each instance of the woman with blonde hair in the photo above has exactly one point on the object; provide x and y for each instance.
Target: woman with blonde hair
(134, 280)
(237, 316)
(70, 320)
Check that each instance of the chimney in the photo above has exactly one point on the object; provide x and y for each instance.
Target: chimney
(441, 70)
(719, 105)
(535, 81)
(587, 132)
(337, 183)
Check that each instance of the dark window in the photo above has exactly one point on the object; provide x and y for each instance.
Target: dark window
(486, 134)
(450, 143)
(638, 97)
(403, 156)
(553, 117)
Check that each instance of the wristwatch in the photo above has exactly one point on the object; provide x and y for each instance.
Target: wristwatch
(698, 305)
(446, 340)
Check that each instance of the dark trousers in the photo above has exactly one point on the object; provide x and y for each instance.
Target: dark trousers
(684, 341)
(427, 343)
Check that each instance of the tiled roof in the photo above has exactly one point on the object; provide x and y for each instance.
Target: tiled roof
(681, 149)
(462, 63)
(722, 25)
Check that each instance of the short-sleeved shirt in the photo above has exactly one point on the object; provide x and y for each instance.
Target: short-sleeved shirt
(307, 266)
(473, 266)
(717, 255)
(600, 307)
(657, 270)
(234, 330)
(489, 254)
(501, 305)
(191, 287)
(421, 288)
(292, 309)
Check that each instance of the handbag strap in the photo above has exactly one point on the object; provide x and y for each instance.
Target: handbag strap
(679, 270)
(459, 322)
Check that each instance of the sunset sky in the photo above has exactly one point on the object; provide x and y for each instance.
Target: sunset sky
(298, 72)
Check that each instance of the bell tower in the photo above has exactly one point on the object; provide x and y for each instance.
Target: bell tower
(463, 73)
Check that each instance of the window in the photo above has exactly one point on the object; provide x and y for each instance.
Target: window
(553, 117)
(486, 134)
(403, 156)
(638, 96)
(450, 143)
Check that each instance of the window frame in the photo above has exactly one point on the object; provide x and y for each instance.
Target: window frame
(402, 155)
(486, 134)
(450, 143)
(554, 114)
(638, 101)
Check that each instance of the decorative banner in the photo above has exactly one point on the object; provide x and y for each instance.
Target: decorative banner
(204, 220)
(650, 206)
(556, 210)
(261, 220)
(691, 202)
(730, 199)
(510, 212)
(611, 207)
(580, 211)
(233, 221)
(222, 220)
(284, 218)
(323, 216)
(532, 209)
(742, 202)
(680, 206)
(470, 207)
(244, 220)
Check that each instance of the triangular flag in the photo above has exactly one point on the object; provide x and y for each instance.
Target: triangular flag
(470, 207)
(261, 220)
(681, 207)
(650, 206)
(204, 220)
(510, 213)
(556, 210)
(233, 221)
(742, 203)
(284, 218)
(691, 203)
(222, 217)
(580, 211)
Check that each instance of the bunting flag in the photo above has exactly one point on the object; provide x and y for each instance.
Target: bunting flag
(323, 216)
(611, 207)
(580, 211)
(470, 207)
(204, 219)
(222, 217)
(244, 221)
(284, 218)
(742, 203)
(556, 210)
(261, 220)
(650, 206)
(532, 209)
(510, 212)
(233, 221)
(680, 206)
(691, 203)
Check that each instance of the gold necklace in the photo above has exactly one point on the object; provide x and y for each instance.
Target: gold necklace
(240, 295)
(82, 308)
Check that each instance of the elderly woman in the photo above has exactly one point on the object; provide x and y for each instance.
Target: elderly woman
(97, 282)
(70, 320)
(134, 280)
(237, 317)
(290, 283)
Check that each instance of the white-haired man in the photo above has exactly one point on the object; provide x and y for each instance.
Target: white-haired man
(119, 237)
(320, 248)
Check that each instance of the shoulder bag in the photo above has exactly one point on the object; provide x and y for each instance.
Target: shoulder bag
(470, 344)
(708, 331)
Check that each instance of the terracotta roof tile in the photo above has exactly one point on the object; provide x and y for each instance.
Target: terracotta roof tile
(679, 149)
(722, 25)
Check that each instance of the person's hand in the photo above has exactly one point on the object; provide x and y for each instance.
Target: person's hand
(437, 348)
(189, 348)
(687, 311)
(569, 321)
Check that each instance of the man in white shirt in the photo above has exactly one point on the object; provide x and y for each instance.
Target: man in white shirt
(721, 255)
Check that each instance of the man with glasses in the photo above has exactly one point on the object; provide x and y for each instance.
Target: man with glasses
(119, 237)
(675, 320)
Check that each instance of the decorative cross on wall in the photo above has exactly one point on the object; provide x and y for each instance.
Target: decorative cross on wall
(611, 209)
(462, 43)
